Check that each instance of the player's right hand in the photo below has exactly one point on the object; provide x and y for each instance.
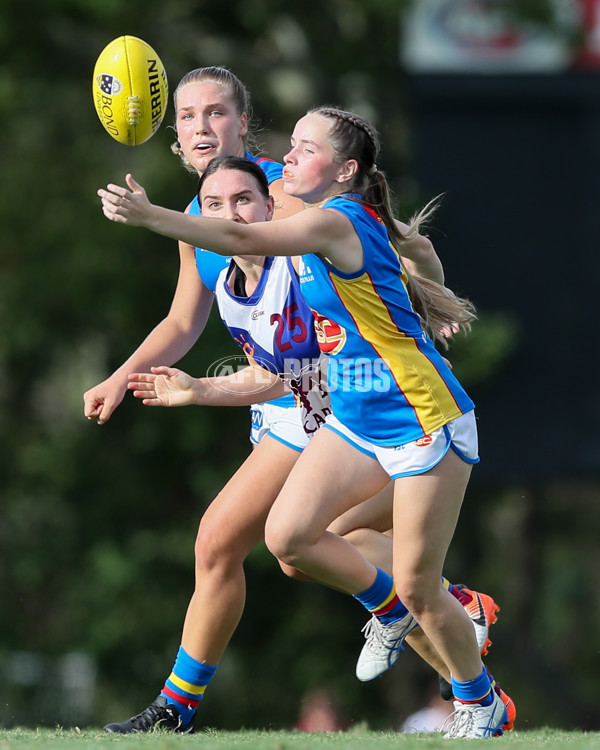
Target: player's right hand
(100, 401)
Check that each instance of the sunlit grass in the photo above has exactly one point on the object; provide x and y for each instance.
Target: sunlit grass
(356, 739)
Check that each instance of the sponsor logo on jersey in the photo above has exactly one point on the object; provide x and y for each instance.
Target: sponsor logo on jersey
(257, 419)
(304, 272)
(330, 335)
(424, 441)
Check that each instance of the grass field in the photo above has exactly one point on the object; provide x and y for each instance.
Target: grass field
(356, 739)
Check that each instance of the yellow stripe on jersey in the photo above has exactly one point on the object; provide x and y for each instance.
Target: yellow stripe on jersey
(416, 377)
(187, 686)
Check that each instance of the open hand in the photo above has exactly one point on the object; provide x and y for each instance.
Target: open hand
(126, 206)
(163, 386)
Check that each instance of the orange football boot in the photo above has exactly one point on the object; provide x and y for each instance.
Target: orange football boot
(483, 612)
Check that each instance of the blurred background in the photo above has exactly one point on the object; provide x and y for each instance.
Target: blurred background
(495, 104)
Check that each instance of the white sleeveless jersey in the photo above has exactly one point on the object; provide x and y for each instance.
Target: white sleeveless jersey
(275, 328)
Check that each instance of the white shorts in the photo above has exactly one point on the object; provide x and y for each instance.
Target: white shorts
(283, 423)
(420, 455)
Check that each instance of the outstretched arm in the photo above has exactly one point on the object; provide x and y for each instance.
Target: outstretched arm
(309, 231)
(168, 342)
(285, 205)
(168, 386)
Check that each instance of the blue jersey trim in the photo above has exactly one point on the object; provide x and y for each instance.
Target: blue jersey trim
(288, 401)
(349, 441)
(296, 448)
(257, 294)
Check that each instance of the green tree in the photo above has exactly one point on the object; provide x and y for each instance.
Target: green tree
(98, 524)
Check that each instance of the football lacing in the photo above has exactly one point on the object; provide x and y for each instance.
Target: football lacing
(134, 110)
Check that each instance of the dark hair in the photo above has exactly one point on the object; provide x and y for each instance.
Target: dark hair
(240, 165)
(353, 137)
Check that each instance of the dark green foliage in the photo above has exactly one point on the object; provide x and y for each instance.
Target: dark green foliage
(98, 523)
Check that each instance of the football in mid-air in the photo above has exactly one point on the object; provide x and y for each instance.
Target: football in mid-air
(130, 90)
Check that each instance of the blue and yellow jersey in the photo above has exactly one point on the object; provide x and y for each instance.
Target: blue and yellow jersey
(387, 381)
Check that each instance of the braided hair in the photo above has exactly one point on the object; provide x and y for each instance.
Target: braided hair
(353, 137)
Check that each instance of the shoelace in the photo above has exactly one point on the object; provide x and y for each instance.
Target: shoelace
(465, 723)
(459, 723)
(379, 639)
(150, 717)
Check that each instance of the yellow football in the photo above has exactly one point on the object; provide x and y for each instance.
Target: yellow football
(130, 90)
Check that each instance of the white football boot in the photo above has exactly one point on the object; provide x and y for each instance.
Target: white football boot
(383, 646)
(474, 721)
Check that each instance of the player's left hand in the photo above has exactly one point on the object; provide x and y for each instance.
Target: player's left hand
(164, 386)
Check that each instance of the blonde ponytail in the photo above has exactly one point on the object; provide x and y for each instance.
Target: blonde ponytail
(442, 312)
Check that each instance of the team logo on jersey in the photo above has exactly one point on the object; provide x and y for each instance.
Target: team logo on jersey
(330, 335)
(424, 441)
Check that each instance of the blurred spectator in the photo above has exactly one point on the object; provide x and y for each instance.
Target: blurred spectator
(431, 717)
(319, 713)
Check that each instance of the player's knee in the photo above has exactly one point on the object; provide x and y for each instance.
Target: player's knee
(280, 547)
(412, 592)
(283, 542)
(206, 550)
(217, 546)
